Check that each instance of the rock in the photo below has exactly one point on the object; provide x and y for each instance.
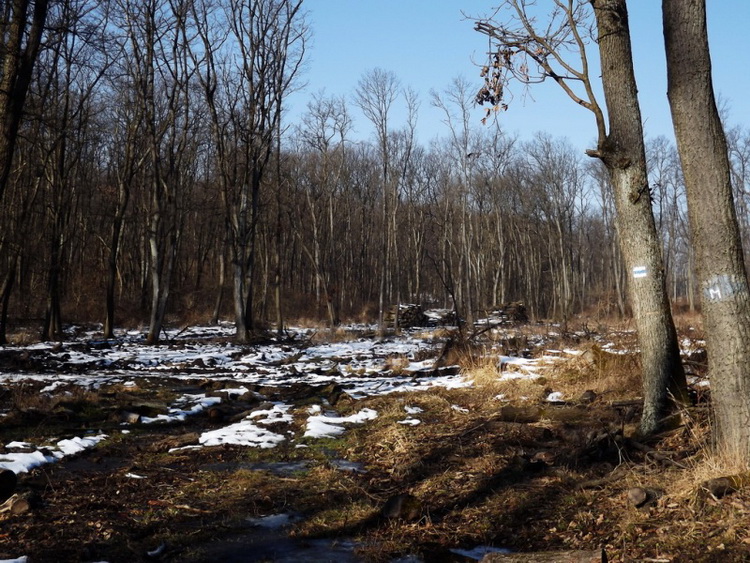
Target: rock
(722, 486)
(588, 397)
(545, 456)
(642, 497)
(402, 507)
(217, 414)
(637, 496)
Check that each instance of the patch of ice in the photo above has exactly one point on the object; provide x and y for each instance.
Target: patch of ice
(518, 375)
(18, 445)
(555, 397)
(279, 413)
(51, 387)
(200, 403)
(243, 433)
(459, 409)
(413, 410)
(479, 552)
(77, 445)
(322, 426)
(274, 521)
(410, 421)
(23, 462)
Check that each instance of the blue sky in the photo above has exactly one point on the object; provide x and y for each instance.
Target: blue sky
(428, 43)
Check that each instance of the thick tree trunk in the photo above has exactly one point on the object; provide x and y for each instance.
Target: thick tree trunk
(114, 252)
(723, 283)
(623, 153)
(5, 294)
(19, 48)
(220, 292)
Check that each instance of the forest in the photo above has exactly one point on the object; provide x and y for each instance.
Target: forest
(229, 334)
(154, 178)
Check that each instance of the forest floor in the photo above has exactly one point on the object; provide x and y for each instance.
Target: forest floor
(340, 446)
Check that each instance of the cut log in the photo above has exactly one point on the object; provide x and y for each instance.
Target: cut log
(130, 417)
(512, 413)
(595, 556)
(408, 316)
(8, 482)
(15, 505)
(172, 442)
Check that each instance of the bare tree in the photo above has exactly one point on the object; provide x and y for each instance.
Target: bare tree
(528, 55)
(725, 296)
(245, 75)
(376, 92)
(324, 130)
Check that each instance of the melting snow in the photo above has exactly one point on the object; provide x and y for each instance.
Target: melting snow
(22, 462)
(323, 426)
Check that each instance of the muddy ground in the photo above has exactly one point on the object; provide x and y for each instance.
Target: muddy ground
(496, 465)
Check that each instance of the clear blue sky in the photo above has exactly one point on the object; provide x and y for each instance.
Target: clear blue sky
(427, 43)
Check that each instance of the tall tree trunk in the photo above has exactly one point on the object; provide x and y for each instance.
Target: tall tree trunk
(220, 292)
(5, 293)
(123, 191)
(19, 47)
(623, 152)
(723, 283)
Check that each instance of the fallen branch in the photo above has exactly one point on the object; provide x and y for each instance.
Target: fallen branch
(595, 556)
(658, 456)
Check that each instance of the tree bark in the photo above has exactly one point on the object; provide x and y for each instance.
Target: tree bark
(723, 283)
(18, 58)
(623, 152)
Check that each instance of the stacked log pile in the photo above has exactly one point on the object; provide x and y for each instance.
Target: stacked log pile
(408, 316)
(514, 312)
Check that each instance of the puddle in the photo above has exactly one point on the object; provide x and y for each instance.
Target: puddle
(348, 466)
(269, 544)
(280, 468)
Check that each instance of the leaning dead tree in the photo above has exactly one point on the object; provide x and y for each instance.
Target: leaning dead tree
(522, 50)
